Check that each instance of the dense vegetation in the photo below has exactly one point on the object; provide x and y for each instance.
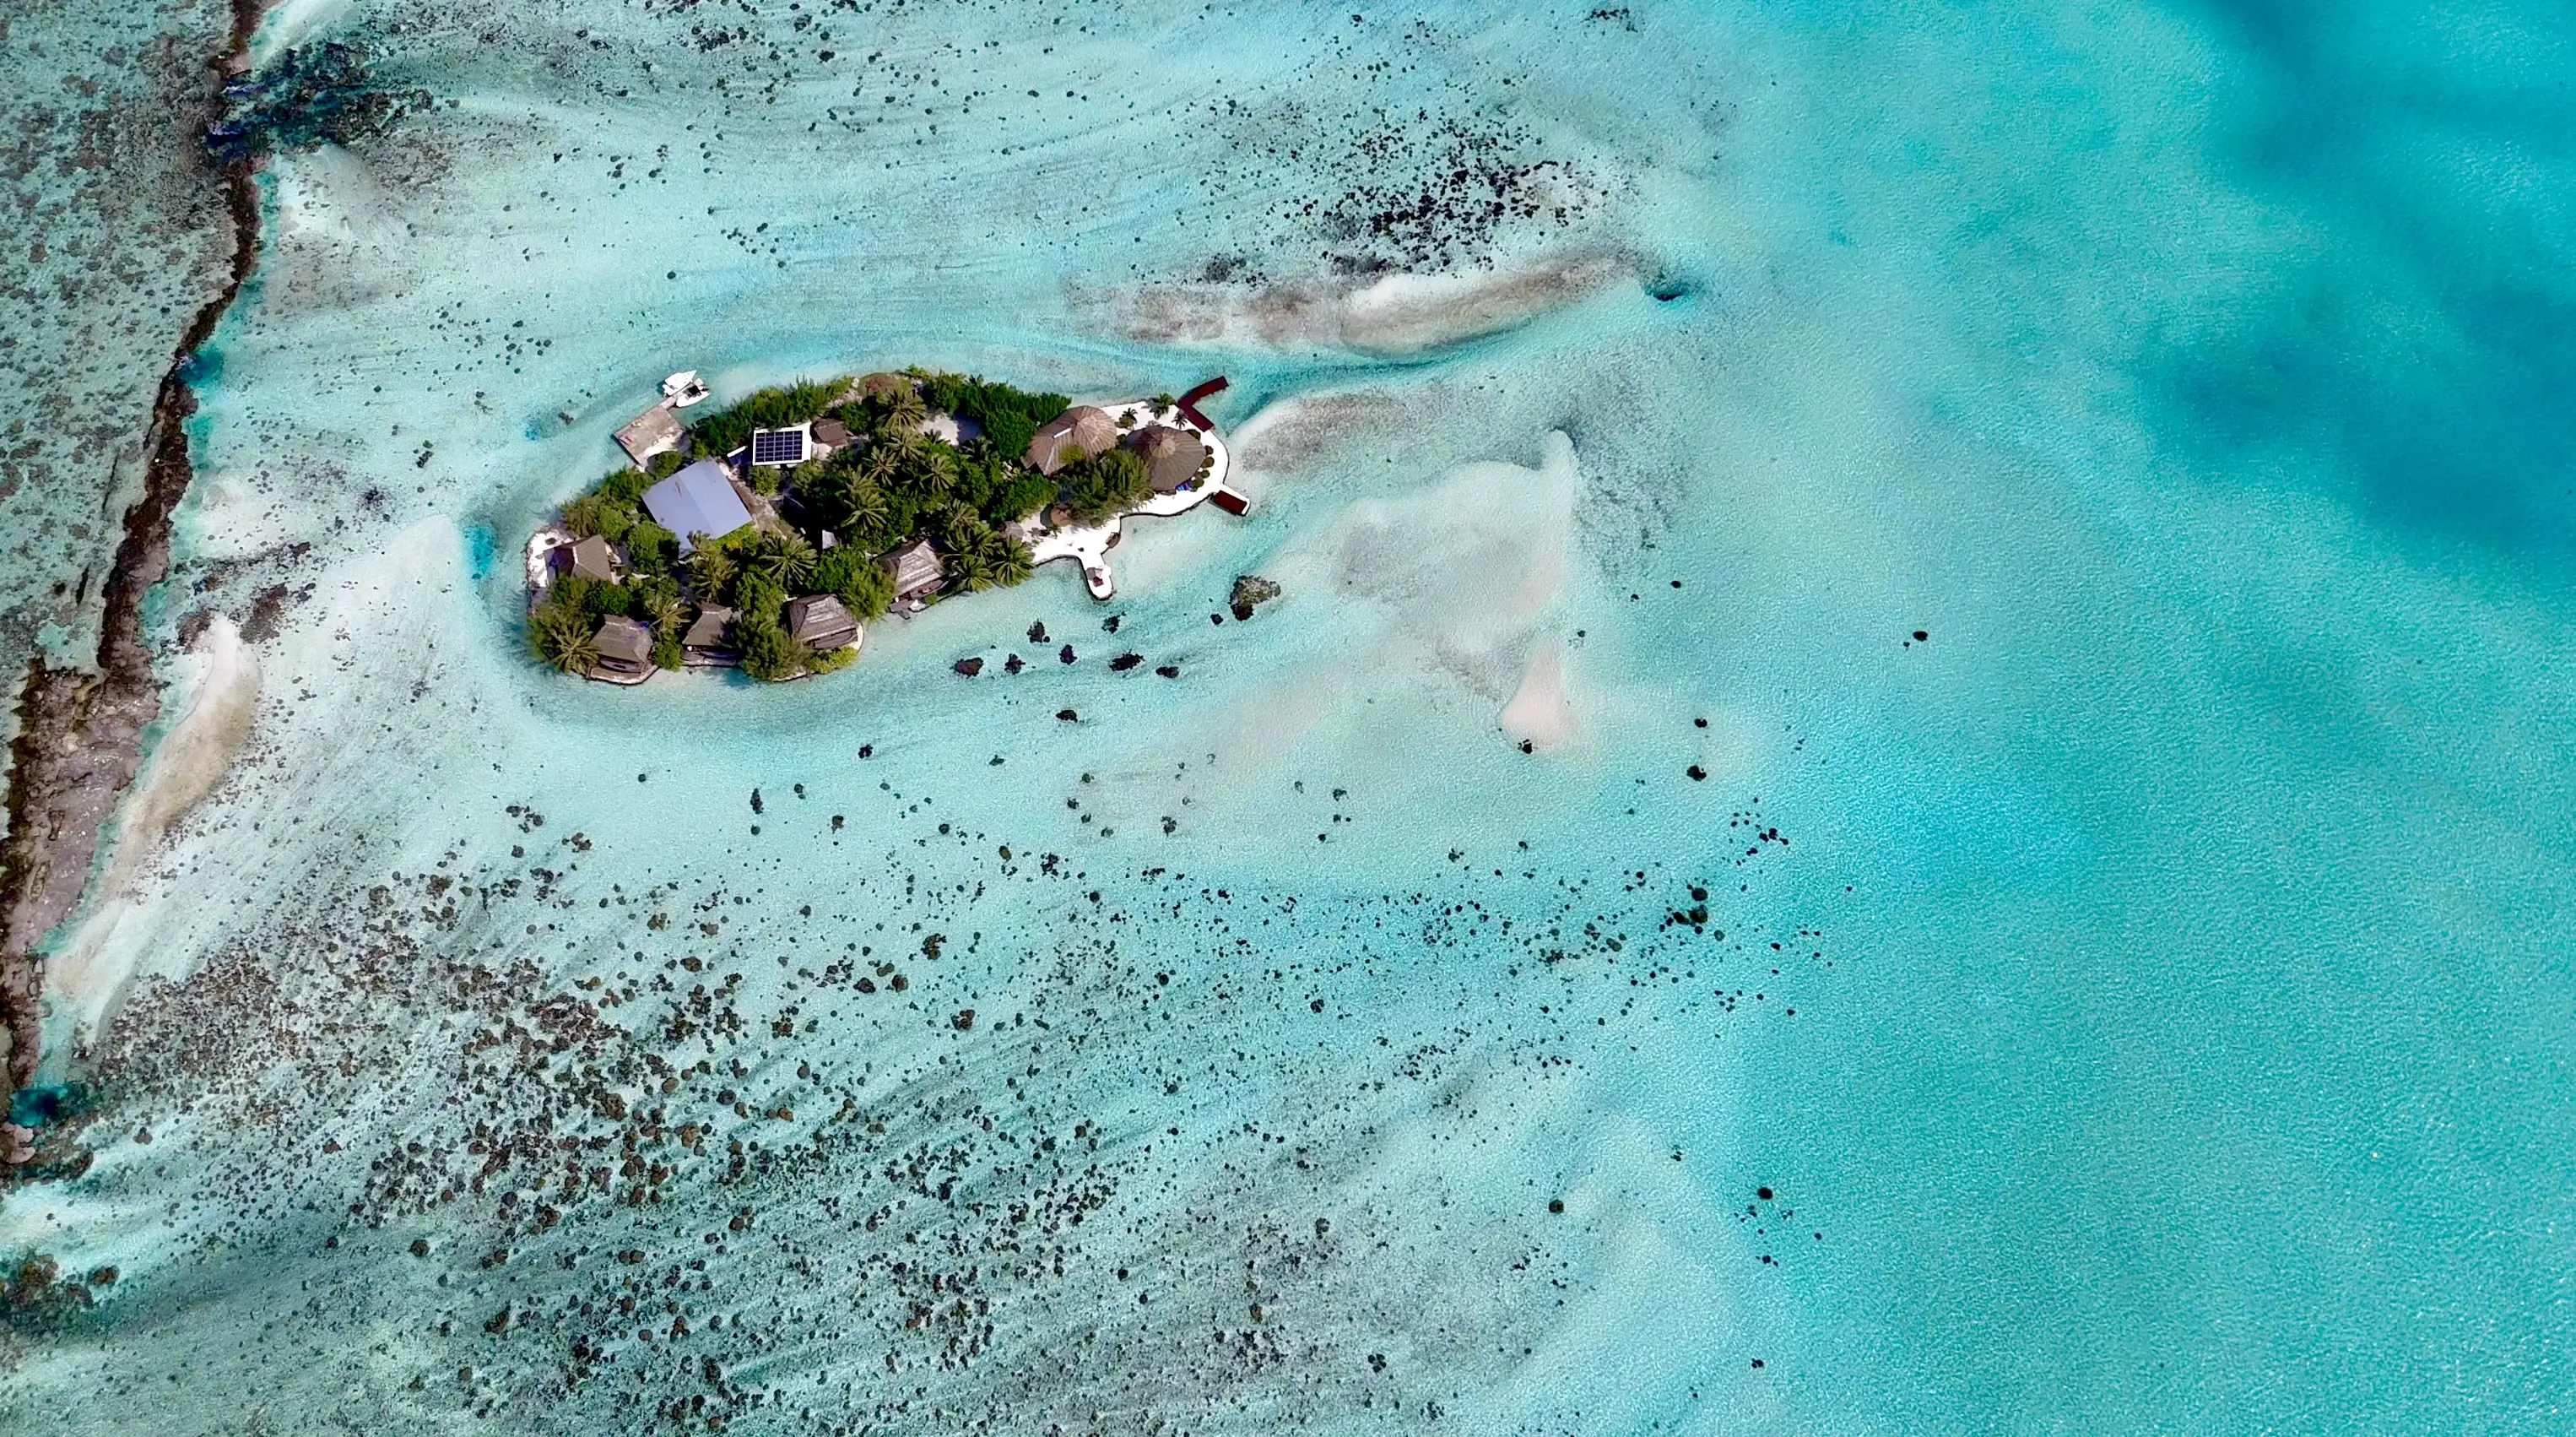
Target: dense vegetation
(891, 485)
(1009, 417)
(1099, 485)
(719, 434)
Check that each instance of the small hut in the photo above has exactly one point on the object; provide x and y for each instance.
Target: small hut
(1172, 456)
(1081, 427)
(915, 568)
(706, 644)
(820, 623)
(588, 558)
(625, 648)
(829, 432)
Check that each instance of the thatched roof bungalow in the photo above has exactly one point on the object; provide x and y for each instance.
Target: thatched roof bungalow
(625, 648)
(915, 567)
(589, 558)
(707, 643)
(1172, 456)
(1081, 427)
(819, 622)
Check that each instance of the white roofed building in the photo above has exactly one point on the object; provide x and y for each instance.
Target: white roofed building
(698, 500)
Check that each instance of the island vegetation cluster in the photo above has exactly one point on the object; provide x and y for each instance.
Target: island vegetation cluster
(829, 526)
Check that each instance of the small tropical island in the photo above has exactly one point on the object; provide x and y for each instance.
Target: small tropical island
(766, 536)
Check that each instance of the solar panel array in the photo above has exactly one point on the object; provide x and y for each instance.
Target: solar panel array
(778, 446)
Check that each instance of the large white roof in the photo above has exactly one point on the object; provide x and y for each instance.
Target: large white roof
(697, 500)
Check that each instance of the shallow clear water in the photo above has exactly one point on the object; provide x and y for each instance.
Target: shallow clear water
(2142, 999)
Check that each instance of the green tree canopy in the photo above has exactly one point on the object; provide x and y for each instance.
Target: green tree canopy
(1104, 484)
(598, 514)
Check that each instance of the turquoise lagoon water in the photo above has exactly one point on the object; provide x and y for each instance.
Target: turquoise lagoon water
(2137, 1004)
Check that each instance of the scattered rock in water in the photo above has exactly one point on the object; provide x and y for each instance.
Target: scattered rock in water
(969, 667)
(1169, 671)
(964, 1020)
(1037, 633)
(1251, 591)
(1065, 654)
(1124, 662)
(1013, 665)
(1110, 625)
(1068, 715)
(309, 96)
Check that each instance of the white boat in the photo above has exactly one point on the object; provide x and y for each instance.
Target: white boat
(684, 389)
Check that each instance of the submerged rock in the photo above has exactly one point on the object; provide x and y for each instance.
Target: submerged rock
(969, 667)
(1251, 591)
(309, 96)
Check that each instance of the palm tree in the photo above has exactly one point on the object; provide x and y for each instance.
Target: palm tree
(563, 637)
(883, 461)
(863, 507)
(970, 571)
(1010, 561)
(937, 472)
(663, 612)
(905, 410)
(958, 528)
(711, 569)
(786, 558)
